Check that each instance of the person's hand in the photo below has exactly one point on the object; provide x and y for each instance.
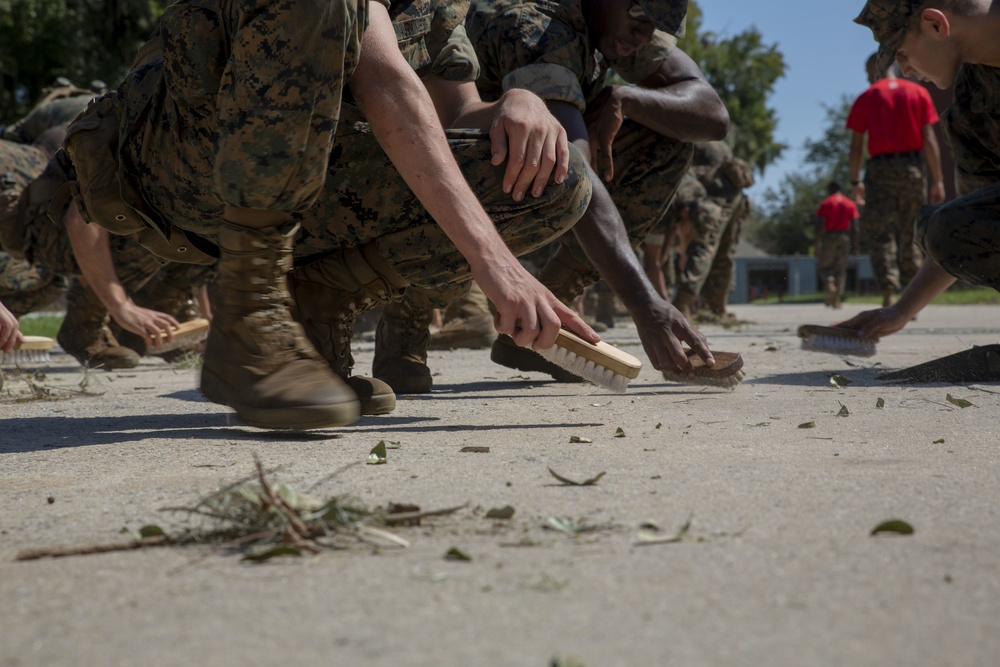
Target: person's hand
(936, 194)
(858, 194)
(604, 119)
(150, 324)
(526, 310)
(877, 323)
(662, 328)
(531, 140)
(10, 333)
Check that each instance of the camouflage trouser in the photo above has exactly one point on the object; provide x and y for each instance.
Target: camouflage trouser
(648, 169)
(721, 279)
(25, 288)
(963, 236)
(895, 189)
(715, 223)
(833, 253)
(366, 200)
(254, 92)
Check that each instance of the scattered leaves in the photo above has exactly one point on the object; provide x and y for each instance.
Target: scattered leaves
(472, 449)
(839, 381)
(897, 526)
(273, 552)
(567, 525)
(503, 513)
(939, 441)
(659, 425)
(649, 537)
(619, 432)
(576, 438)
(377, 455)
(151, 530)
(880, 404)
(960, 402)
(457, 554)
(844, 412)
(569, 482)
(808, 425)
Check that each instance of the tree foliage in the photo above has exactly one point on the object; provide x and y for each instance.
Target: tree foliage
(81, 40)
(743, 70)
(786, 215)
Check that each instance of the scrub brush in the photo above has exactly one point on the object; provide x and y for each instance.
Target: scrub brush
(188, 334)
(836, 340)
(602, 364)
(727, 371)
(33, 350)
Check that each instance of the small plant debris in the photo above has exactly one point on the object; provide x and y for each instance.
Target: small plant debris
(570, 482)
(895, 526)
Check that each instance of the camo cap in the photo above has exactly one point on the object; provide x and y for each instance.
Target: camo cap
(667, 15)
(888, 20)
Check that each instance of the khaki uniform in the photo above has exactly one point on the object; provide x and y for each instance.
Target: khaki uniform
(963, 235)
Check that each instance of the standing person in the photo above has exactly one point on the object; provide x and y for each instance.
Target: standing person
(836, 236)
(948, 42)
(715, 227)
(229, 146)
(897, 116)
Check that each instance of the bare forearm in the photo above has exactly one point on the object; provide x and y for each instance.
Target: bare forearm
(92, 249)
(932, 155)
(928, 284)
(854, 162)
(688, 111)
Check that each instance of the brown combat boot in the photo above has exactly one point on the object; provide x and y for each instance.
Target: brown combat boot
(257, 360)
(401, 349)
(685, 301)
(468, 324)
(85, 333)
(329, 294)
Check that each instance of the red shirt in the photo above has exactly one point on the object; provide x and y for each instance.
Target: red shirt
(893, 112)
(837, 212)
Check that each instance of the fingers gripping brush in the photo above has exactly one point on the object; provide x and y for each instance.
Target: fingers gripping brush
(602, 364)
(726, 373)
(836, 340)
(33, 350)
(188, 333)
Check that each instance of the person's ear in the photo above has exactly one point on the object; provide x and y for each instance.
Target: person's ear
(936, 22)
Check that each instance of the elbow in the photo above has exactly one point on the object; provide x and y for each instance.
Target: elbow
(717, 122)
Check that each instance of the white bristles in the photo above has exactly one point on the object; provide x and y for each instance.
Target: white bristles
(858, 347)
(585, 368)
(24, 358)
(727, 382)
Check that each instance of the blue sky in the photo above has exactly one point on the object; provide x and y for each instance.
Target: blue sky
(824, 52)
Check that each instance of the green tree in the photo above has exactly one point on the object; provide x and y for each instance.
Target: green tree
(80, 40)
(743, 70)
(784, 221)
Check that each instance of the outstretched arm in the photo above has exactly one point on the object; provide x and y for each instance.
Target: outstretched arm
(932, 156)
(602, 234)
(929, 282)
(92, 249)
(404, 121)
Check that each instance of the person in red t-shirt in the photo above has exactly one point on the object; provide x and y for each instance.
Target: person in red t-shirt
(836, 235)
(898, 117)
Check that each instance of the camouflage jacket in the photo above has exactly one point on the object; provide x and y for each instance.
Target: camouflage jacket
(723, 174)
(972, 125)
(57, 108)
(431, 36)
(544, 46)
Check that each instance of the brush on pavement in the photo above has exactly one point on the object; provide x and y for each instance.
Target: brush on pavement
(34, 350)
(836, 340)
(602, 364)
(187, 334)
(726, 373)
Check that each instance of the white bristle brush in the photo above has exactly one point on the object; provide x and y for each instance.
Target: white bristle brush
(726, 373)
(32, 351)
(602, 364)
(836, 340)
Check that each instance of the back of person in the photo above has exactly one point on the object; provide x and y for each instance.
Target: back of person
(837, 212)
(893, 112)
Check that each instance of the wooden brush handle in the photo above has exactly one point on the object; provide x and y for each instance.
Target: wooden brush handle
(602, 354)
(35, 343)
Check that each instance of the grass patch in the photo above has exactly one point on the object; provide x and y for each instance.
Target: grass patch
(41, 324)
(967, 296)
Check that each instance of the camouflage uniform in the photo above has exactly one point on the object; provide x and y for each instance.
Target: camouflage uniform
(690, 194)
(716, 224)
(895, 189)
(963, 235)
(545, 47)
(23, 287)
(57, 108)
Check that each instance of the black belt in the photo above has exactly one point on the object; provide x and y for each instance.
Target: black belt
(908, 155)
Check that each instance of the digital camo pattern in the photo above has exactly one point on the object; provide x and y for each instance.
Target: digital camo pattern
(716, 220)
(366, 199)
(431, 35)
(972, 125)
(241, 107)
(895, 189)
(888, 21)
(544, 46)
(667, 15)
(19, 165)
(25, 288)
(56, 111)
(834, 249)
(963, 236)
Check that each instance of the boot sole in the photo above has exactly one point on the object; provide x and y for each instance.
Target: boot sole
(513, 356)
(293, 418)
(473, 342)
